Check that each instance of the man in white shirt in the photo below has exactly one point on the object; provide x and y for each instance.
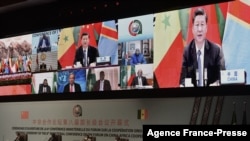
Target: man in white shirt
(139, 80)
(86, 54)
(102, 84)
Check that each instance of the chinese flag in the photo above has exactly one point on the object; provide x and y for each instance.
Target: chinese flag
(98, 27)
(89, 28)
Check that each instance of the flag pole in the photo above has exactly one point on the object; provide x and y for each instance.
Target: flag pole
(234, 120)
(244, 119)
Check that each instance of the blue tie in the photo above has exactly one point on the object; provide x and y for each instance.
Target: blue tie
(199, 68)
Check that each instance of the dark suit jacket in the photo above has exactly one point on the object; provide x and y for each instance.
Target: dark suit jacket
(91, 54)
(47, 41)
(106, 86)
(143, 79)
(77, 88)
(213, 61)
(48, 89)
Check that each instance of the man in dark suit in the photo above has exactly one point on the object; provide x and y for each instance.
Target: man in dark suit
(102, 84)
(86, 54)
(44, 44)
(139, 80)
(72, 86)
(202, 59)
(44, 88)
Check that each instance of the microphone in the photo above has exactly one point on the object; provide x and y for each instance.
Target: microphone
(87, 62)
(205, 76)
(197, 77)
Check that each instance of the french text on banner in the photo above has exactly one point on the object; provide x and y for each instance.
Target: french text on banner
(161, 132)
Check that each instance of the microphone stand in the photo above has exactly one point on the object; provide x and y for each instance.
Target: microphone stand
(205, 77)
(197, 77)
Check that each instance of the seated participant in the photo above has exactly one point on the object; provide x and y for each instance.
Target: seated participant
(139, 80)
(72, 86)
(86, 54)
(102, 84)
(44, 87)
(137, 58)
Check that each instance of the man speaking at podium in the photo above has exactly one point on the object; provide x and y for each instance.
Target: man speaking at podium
(86, 54)
(202, 59)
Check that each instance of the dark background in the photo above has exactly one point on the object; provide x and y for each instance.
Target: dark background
(44, 15)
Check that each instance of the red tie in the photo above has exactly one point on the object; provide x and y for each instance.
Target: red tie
(71, 88)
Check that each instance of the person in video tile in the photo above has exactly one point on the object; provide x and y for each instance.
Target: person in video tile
(202, 59)
(86, 54)
(102, 84)
(72, 86)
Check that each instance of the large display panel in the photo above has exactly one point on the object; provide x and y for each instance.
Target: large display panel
(156, 50)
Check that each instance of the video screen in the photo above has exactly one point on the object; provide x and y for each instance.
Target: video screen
(200, 46)
(44, 83)
(136, 76)
(73, 80)
(45, 50)
(88, 45)
(103, 79)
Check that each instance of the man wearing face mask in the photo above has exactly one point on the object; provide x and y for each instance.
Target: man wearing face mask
(137, 58)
